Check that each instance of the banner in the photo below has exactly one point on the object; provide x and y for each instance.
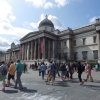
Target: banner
(41, 46)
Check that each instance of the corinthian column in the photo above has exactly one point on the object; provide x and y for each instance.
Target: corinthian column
(35, 50)
(31, 49)
(43, 57)
(53, 49)
(98, 40)
(48, 49)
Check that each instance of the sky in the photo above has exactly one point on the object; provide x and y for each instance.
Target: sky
(19, 17)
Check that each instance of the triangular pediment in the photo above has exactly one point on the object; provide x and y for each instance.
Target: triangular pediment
(29, 35)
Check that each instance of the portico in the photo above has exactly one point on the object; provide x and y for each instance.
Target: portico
(37, 49)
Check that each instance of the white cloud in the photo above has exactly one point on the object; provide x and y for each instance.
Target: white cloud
(48, 5)
(37, 3)
(6, 28)
(54, 19)
(61, 2)
(16, 40)
(4, 44)
(93, 19)
(56, 22)
(6, 12)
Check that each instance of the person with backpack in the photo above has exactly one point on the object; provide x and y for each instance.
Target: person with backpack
(3, 73)
(80, 70)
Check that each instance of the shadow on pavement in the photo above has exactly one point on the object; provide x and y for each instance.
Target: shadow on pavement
(61, 83)
(11, 91)
(29, 90)
(94, 87)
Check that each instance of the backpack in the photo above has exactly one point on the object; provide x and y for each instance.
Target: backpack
(82, 68)
(4, 71)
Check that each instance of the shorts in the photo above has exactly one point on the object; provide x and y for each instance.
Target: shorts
(2, 78)
(10, 76)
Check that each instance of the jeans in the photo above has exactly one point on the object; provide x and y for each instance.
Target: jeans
(79, 76)
(43, 74)
(18, 80)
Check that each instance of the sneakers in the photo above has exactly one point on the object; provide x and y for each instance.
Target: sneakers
(81, 83)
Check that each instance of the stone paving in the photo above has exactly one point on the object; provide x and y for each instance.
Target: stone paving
(36, 89)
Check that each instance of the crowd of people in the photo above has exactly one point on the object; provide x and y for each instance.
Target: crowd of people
(9, 72)
(63, 70)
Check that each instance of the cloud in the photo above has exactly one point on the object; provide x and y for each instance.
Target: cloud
(37, 3)
(56, 22)
(6, 12)
(6, 28)
(93, 19)
(61, 2)
(16, 40)
(54, 19)
(4, 44)
(48, 3)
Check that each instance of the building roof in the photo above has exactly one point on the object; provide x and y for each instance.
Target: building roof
(46, 22)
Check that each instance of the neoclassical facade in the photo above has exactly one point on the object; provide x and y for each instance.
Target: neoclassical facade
(78, 44)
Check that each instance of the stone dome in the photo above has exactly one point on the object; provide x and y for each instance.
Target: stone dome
(46, 22)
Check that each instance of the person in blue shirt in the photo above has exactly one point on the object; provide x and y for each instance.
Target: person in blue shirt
(43, 68)
(51, 76)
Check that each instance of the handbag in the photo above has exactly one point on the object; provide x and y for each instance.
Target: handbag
(72, 71)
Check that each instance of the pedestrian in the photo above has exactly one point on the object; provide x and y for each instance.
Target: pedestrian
(43, 68)
(64, 71)
(67, 73)
(88, 71)
(50, 76)
(3, 73)
(19, 70)
(56, 70)
(79, 71)
(71, 71)
(25, 67)
(11, 73)
(39, 69)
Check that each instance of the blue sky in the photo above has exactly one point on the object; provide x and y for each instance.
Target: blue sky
(18, 17)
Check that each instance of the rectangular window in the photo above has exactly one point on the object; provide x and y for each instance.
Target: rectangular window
(59, 44)
(84, 53)
(74, 42)
(65, 56)
(94, 39)
(84, 41)
(65, 43)
(95, 53)
(75, 55)
(59, 56)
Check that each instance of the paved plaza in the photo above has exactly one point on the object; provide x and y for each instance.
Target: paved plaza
(36, 89)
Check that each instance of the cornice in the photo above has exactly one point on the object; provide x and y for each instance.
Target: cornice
(85, 45)
(84, 29)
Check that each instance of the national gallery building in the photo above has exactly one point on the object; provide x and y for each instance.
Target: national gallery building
(78, 44)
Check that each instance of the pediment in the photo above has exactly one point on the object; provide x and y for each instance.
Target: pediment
(31, 34)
